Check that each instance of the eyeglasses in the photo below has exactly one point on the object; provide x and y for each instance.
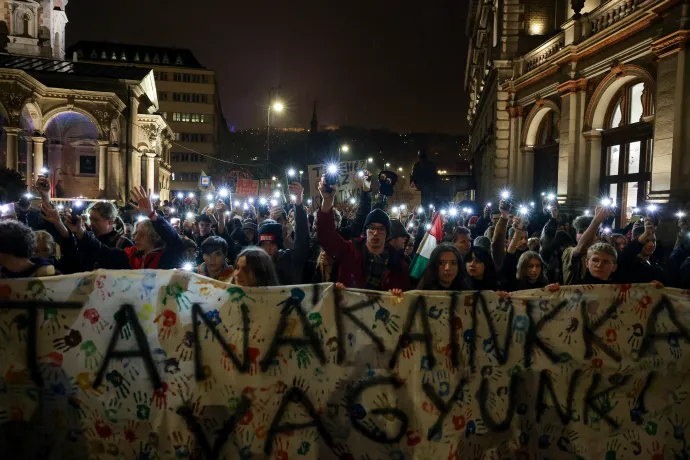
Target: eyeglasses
(376, 229)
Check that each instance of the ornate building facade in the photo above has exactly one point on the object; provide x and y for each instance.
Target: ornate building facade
(95, 128)
(584, 99)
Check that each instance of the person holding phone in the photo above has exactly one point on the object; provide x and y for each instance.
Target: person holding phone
(156, 244)
(17, 246)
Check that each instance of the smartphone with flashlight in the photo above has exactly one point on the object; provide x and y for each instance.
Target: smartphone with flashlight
(331, 177)
(635, 218)
(7, 210)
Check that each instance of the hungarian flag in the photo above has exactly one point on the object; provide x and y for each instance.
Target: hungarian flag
(432, 238)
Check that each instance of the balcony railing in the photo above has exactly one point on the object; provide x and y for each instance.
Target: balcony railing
(538, 56)
(594, 23)
(609, 14)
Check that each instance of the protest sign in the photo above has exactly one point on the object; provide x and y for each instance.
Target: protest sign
(247, 187)
(402, 193)
(160, 364)
(348, 186)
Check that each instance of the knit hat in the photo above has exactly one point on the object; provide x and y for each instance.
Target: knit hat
(397, 230)
(248, 224)
(270, 230)
(482, 242)
(378, 216)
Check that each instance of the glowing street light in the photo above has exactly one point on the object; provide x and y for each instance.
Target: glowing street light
(370, 160)
(291, 172)
(345, 148)
(388, 165)
(278, 106)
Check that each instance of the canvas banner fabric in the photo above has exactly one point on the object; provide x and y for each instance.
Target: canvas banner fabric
(170, 365)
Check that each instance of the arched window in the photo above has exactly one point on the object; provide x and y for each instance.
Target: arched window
(627, 148)
(549, 129)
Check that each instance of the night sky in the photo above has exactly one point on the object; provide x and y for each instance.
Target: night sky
(373, 63)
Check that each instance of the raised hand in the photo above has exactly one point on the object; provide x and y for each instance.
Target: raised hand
(327, 197)
(296, 189)
(144, 204)
(50, 215)
(77, 228)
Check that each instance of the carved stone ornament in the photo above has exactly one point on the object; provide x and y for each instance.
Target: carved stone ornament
(104, 118)
(13, 102)
(153, 132)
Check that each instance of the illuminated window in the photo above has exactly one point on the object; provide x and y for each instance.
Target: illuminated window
(627, 149)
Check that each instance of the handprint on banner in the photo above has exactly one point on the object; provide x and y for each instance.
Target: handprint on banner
(143, 403)
(237, 294)
(126, 331)
(51, 320)
(408, 346)
(177, 292)
(111, 409)
(94, 319)
(302, 354)
(624, 292)
(181, 444)
(642, 306)
(317, 325)
(118, 383)
(633, 438)
(100, 285)
(674, 346)
(390, 322)
(66, 343)
(567, 335)
(185, 346)
(213, 316)
(520, 326)
(148, 284)
(144, 316)
(36, 290)
(92, 356)
(636, 336)
(85, 384)
(166, 321)
(160, 396)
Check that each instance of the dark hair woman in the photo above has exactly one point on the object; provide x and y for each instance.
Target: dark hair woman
(445, 271)
(481, 271)
(255, 268)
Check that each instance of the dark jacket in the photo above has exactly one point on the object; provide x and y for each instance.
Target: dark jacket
(677, 273)
(633, 269)
(290, 262)
(169, 257)
(349, 256)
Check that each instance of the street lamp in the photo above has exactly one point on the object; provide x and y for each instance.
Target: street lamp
(276, 106)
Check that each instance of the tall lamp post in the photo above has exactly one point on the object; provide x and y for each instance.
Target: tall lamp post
(276, 106)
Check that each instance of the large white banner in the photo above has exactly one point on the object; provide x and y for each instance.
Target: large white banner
(170, 365)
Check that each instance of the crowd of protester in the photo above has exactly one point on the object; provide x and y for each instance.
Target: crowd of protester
(269, 243)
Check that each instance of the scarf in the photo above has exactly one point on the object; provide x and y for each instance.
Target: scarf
(375, 269)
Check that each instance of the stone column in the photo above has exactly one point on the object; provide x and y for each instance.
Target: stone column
(102, 168)
(516, 166)
(670, 162)
(501, 164)
(30, 163)
(135, 158)
(114, 184)
(151, 174)
(527, 171)
(135, 174)
(12, 148)
(573, 180)
(38, 153)
(592, 153)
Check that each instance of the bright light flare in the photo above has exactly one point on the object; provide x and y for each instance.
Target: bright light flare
(190, 195)
(428, 226)
(274, 202)
(395, 209)
(443, 212)
(262, 201)
(140, 218)
(332, 169)
(223, 193)
(44, 171)
(79, 204)
(278, 107)
(209, 197)
(345, 148)
(353, 201)
(60, 207)
(190, 215)
(587, 212)
(453, 212)
(291, 172)
(420, 210)
(250, 200)
(505, 194)
(606, 202)
(180, 195)
(237, 203)
(276, 194)
(551, 196)
(680, 214)
(652, 208)
(187, 266)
